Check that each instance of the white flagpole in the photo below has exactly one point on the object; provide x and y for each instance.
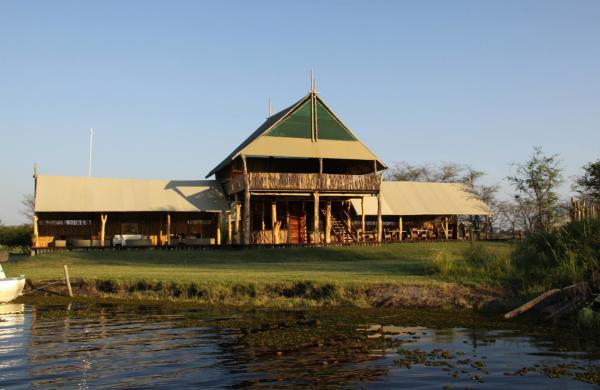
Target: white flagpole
(90, 155)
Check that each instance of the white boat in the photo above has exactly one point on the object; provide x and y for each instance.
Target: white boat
(10, 288)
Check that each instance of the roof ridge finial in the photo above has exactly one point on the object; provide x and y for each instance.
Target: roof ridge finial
(313, 82)
(270, 109)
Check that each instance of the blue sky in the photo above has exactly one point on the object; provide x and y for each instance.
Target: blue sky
(171, 87)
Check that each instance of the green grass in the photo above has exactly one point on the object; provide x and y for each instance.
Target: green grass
(290, 277)
(400, 263)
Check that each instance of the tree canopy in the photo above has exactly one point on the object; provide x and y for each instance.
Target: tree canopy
(588, 185)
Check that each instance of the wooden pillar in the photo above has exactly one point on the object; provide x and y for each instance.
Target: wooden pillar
(274, 223)
(316, 234)
(379, 221)
(446, 228)
(238, 216)
(168, 229)
(348, 221)
(103, 219)
(36, 233)
(262, 215)
(229, 235)
(455, 233)
(328, 222)
(159, 240)
(247, 211)
(400, 228)
(287, 222)
(362, 218)
(218, 232)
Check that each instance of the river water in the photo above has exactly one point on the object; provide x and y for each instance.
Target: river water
(95, 345)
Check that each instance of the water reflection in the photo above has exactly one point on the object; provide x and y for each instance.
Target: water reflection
(123, 346)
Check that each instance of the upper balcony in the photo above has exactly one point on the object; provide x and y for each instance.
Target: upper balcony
(305, 182)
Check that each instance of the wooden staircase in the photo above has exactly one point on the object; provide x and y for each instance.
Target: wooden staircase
(341, 230)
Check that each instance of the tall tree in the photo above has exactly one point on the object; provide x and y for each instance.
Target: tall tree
(588, 185)
(27, 207)
(536, 180)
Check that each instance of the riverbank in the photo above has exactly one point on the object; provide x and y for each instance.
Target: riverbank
(397, 275)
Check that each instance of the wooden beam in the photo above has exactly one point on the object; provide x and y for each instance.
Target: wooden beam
(328, 222)
(68, 281)
(287, 222)
(362, 218)
(247, 211)
(168, 229)
(379, 221)
(348, 216)
(103, 219)
(316, 234)
(229, 235)
(36, 234)
(238, 216)
(218, 232)
(446, 227)
(400, 228)
(274, 223)
(262, 215)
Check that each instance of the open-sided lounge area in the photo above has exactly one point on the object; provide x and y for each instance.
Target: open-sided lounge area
(86, 212)
(422, 211)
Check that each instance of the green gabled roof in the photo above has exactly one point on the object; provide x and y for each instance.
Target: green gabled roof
(296, 131)
(299, 123)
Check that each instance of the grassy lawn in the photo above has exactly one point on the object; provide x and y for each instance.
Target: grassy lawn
(403, 264)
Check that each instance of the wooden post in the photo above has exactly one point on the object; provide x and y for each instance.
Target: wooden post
(446, 228)
(262, 215)
(287, 222)
(400, 228)
(455, 233)
(348, 207)
(379, 222)
(68, 281)
(274, 222)
(362, 218)
(36, 233)
(316, 234)
(229, 235)
(218, 232)
(168, 229)
(320, 165)
(328, 222)
(103, 218)
(238, 216)
(247, 210)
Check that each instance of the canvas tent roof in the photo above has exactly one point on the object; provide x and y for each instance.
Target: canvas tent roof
(405, 198)
(93, 194)
(289, 133)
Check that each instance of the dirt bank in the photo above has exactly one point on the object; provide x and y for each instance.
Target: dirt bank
(283, 294)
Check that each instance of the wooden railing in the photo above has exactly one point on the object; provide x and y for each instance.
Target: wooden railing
(305, 182)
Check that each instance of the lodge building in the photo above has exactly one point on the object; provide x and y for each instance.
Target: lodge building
(301, 178)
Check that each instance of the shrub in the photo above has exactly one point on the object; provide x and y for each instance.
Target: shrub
(564, 256)
(15, 236)
(476, 263)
